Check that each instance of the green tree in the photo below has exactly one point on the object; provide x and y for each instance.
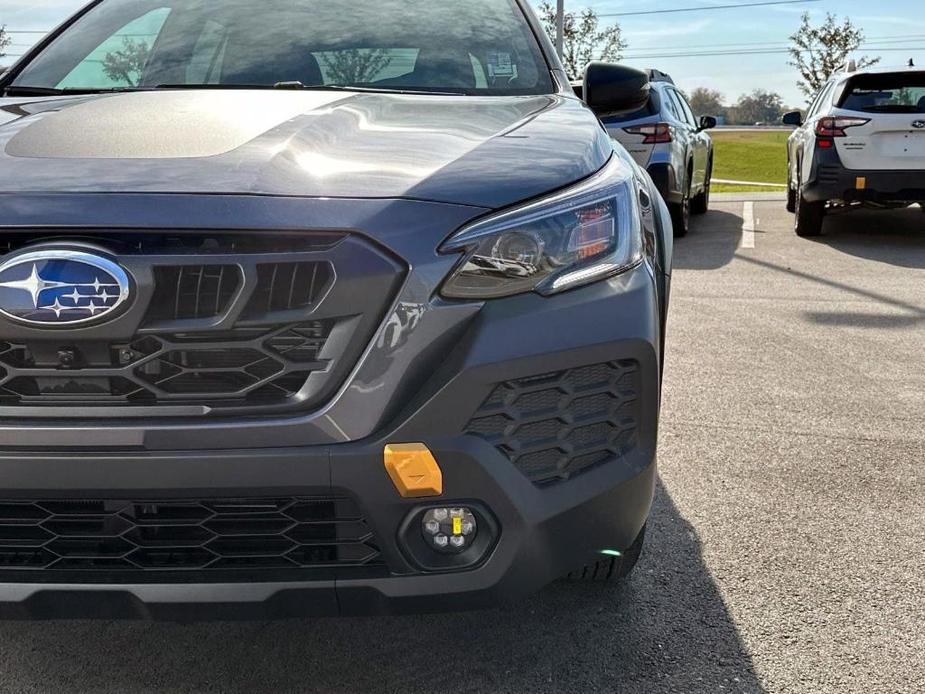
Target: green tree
(818, 51)
(758, 107)
(584, 39)
(355, 65)
(126, 65)
(707, 102)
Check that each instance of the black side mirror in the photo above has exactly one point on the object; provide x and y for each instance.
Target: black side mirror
(794, 118)
(579, 88)
(610, 89)
(707, 122)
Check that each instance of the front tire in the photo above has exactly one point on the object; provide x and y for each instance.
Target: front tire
(612, 568)
(791, 198)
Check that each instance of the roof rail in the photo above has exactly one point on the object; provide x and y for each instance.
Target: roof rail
(659, 76)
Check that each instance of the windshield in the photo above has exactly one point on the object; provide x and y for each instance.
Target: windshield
(471, 46)
(885, 93)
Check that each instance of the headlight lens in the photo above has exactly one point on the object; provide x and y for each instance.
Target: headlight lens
(580, 235)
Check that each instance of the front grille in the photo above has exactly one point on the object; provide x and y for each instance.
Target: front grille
(216, 323)
(289, 286)
(557, 425)
(207, 539)
(189, 292)
(256, 366)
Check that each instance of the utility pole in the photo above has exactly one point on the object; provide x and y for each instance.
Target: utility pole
(560, 28)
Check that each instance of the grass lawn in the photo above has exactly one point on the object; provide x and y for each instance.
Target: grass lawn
(728, 188)
(750, 156)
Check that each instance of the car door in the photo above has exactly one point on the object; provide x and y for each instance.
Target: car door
(806, 142)
(795, 141)
(689, 137)
(700, 144)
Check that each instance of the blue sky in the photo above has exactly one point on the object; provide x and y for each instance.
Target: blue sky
(892, 24)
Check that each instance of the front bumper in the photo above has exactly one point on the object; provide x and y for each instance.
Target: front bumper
(831, 181)
(543, 534)
(544, 531)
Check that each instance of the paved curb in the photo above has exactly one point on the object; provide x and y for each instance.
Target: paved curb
(746, 197)
(728, 182)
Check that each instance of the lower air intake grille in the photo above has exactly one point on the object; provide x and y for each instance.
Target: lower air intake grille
(557, 425)
(211, 539)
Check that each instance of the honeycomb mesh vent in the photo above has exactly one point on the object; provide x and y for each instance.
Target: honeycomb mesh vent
(557, 425)
(208, 536)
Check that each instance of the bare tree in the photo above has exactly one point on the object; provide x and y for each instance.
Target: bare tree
(4, 39)
(819, 51)
(355, 66)
(707, 102)
(126, 65)
(584, 38)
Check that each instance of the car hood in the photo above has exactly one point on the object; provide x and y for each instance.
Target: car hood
(480, 151)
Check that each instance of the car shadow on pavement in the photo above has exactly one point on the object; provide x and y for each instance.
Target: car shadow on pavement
(667, 629)
(896, 237)
(711, 242)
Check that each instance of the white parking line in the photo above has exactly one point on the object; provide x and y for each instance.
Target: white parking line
(748, 224)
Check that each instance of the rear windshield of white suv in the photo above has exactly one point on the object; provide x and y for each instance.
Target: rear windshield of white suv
(467, 46)
(650, 109)
(885, 93)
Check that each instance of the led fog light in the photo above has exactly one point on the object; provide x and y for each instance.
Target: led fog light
(454, 537)
(449, 530)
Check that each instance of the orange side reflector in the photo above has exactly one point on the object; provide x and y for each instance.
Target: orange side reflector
(860, 183)
(413, 470)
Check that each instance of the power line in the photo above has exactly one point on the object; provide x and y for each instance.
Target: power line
(896, 38)
(641, 52)
(707, 8)
(772, 51)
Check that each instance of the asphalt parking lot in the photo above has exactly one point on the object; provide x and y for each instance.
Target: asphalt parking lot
(786, 548)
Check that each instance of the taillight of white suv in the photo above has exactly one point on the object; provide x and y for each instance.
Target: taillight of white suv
(835, 126)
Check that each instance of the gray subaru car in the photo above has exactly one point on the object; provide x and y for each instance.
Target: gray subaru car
(672, 144)
(330, 308)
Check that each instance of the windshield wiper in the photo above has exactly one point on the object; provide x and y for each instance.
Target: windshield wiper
(216, 86)
(31, 91)
(17, 90)
(299, 86)
(387, 90)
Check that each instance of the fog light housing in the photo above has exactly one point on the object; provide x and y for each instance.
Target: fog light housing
(449, 530)
(453, 536)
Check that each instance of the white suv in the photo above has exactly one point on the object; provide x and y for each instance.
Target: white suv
(666, 139)
(862, 143)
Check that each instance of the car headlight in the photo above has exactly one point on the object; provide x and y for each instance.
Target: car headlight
(579, 235)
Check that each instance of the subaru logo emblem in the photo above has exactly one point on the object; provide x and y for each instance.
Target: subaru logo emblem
(918, 124)
(56, 288)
